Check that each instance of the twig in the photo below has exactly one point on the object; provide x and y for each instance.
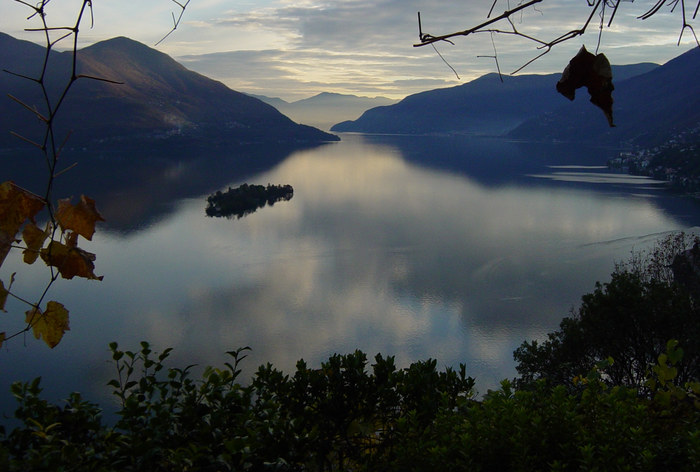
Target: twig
(445, 61)
(495, 57)
(176, 22)
(428, 39)
(597, 6)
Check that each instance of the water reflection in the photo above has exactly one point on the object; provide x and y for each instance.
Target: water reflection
(376, 251)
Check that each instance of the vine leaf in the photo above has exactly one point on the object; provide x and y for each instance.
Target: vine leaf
(17, 205)
(50, 325)
(34, 239)
(594, 72)
(80, 218)
(70, 260)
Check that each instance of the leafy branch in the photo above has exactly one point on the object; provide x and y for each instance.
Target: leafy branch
(57, 243)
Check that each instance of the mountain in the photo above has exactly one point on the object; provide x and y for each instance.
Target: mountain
(648, 109)
(156, 98)
(325, 109)
(274, 101)
(491, 105)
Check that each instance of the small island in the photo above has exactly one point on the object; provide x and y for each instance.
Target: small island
(246, 199)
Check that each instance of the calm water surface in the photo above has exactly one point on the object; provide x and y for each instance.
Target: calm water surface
(450, 248)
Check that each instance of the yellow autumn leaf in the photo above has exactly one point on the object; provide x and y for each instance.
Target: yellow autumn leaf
(17, 205)
(34, 239)
(80, 218)
(70, 261)
(49, 325)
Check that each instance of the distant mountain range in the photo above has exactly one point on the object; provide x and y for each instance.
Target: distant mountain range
(157, 99)
(325, 109)
(651, 102)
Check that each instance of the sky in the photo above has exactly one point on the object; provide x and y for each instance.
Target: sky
(294, 49)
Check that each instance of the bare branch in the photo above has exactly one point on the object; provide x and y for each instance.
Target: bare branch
(176, 22)
(445, 61)
(597, 7)
(31, 109)
(27, 140)
(495, 57)
(100, 79)
(428, 39)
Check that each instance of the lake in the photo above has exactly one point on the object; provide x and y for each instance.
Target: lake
(452, 248)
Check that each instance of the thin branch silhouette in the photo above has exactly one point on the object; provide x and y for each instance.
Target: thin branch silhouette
(176, 21)
(545, 46)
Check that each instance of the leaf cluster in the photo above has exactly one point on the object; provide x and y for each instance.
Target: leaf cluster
(348, 415)
(56, 245)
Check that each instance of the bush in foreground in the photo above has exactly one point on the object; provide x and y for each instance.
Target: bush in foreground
(348, 416)
(616, 388)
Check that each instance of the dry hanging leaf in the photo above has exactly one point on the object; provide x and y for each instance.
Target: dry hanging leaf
(594, 72)
(50, 325)
(34, 239)
(70, 261)
(4, 292)
(3, 295)
(80, 218)
(16, 206)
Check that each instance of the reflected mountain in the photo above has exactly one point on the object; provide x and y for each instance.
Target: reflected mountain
(133, 190)
(385, 247)
(499, 162)
(492, 161)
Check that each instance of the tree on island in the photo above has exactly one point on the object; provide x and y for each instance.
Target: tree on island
(246, 199)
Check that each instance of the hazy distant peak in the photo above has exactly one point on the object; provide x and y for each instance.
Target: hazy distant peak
(342, 97)
(325, 108)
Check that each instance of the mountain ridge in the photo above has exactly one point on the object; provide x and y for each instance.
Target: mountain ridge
(156, 98)
(489, 105)
(457, 108)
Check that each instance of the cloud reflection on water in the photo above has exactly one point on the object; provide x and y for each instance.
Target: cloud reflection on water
(373, 253)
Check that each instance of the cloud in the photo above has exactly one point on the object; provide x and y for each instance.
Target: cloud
(297, 74)
(367, 47)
